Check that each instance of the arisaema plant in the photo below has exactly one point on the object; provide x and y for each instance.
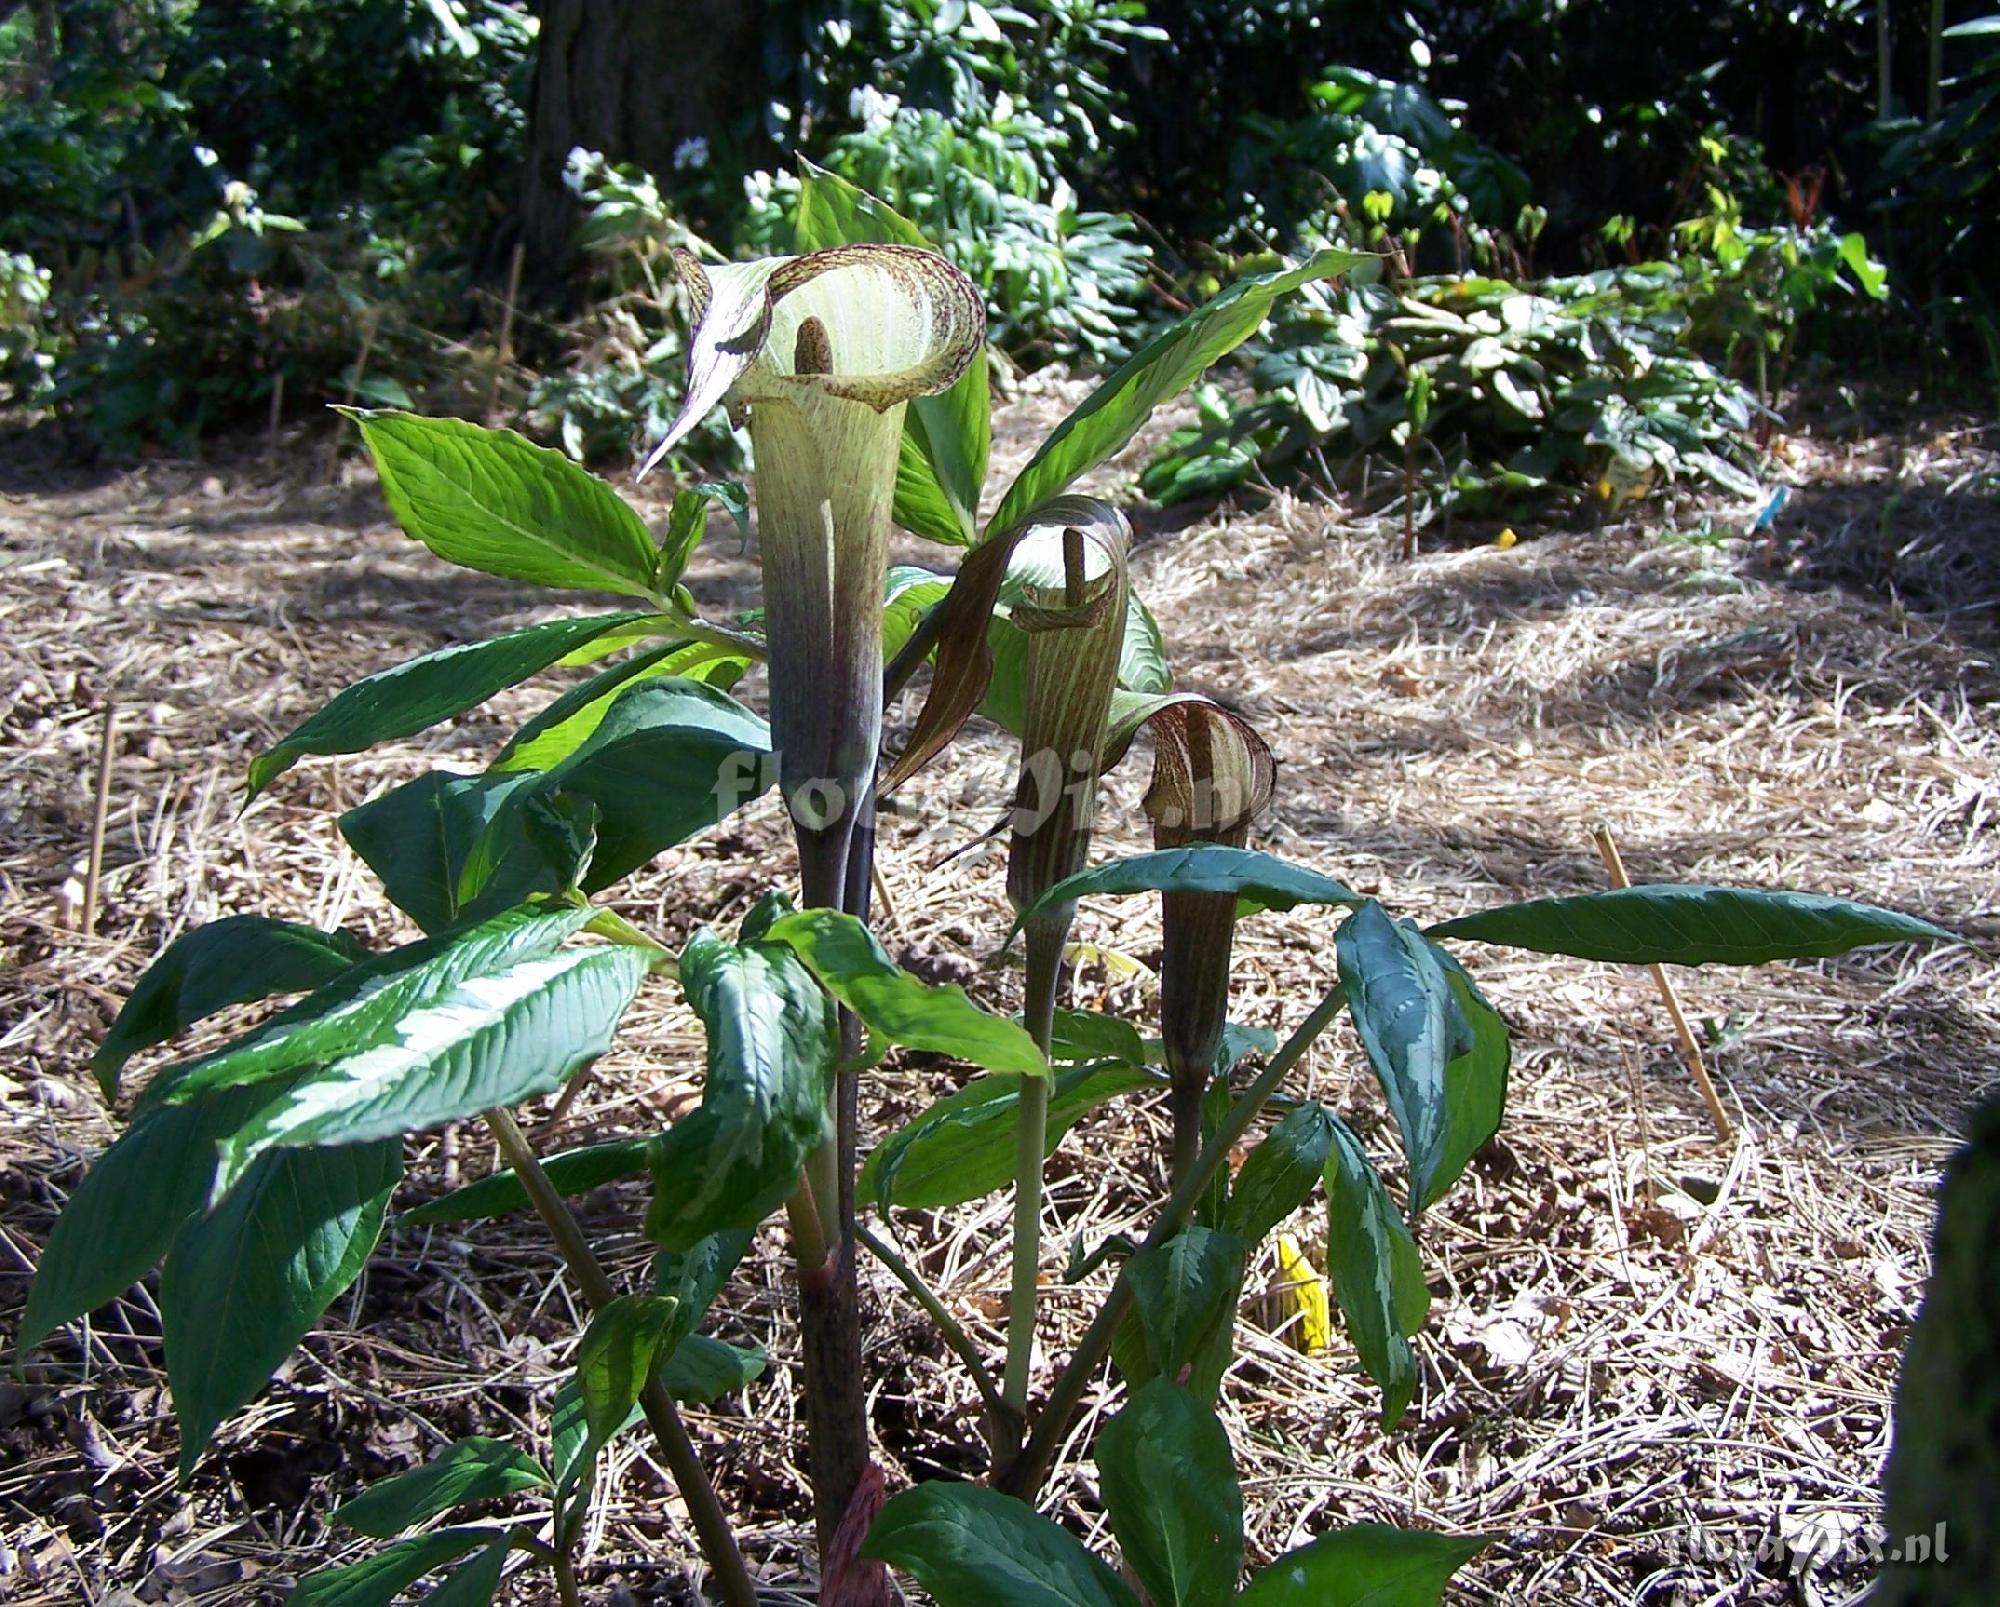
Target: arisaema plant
(258, 1177)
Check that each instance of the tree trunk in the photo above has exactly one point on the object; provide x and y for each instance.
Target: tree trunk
(633, 79)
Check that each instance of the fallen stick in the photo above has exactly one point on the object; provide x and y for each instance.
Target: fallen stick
(99, 810)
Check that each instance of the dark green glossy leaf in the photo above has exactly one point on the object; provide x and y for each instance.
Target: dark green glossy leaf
(844, 955)
(467, 1470)
(1259, 881)
(1666, 924)
(687, 523)
(122, 1218)
(624, 1343)
(474, 1583)
(1169, 1484)
(493, 501)
(568, 722)
(245, 1283)
(703, 1370)
(773, 1042)
(378, 1580)
(1475, 1083)
(574, 1171)
(695, 1276)
(1182, 1326)
(1372, 1263)
(497, 1039)
(417, 838)
(231, 961)
(1278, 1176)
(417, 695)
(963, 1146)
(974, 1547)
(1365, 1565)
(1410, 1025)
(1092, 1035)
(360, 1008)
(1159, 371)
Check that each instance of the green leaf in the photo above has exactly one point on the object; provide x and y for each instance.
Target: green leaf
(467, 1470)
(378, 1580)
(1169, 1484)
(1668, 924)
(497, 1039)
(565, 724)
(1092, 1035)
(1475, 1083)
(475, 1583)
(1159, 371)
(574, 1171)
(1364, 1565)
(419, 694)
(418, 837)
(1183, 1319)
(687, 523)
(231, 961)
(360, 1008)
(941, 467)
(1279, 1174)
(703, 1370)
(616, 1358)
(963, 1146)
(493, 501)
(844, 955)
(1259, 881)
(1410, 1026)
(773, 1042)
(695, 1276)
(245, 1283)
(1372, 1263)
(123, 1216)
(668, 758)
(974, 1547)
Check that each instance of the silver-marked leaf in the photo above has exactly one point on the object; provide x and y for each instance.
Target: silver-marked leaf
(1169, 1484)
(1182, 1325)
(1372, 1263)
(467, 1470)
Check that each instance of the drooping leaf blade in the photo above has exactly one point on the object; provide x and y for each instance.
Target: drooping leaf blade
(703, 1370)
(844, 955)
(1182, 1325)
(1674, 924)
(236, 960)
(1475, 1083)
(1364, 1565)
(472, 1469)
(424, 691)
(417, 838)
(246, 1282)
(1169, 1483)
(492, 500)
(565, 724)
(1372, 1263)
(974, 1547)
(1280, 1173)
(378, 1580)
(1260, 881)
(625, 1342)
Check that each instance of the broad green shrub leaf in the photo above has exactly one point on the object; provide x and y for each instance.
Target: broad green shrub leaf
(695, 1276)
(414, 696)
(620, 1349)
(1410, 1026)
(1159, 371)
(474, 1583)
(565, 724)
(235, 960)
(1259, 881)
(974, 1547)
(493, 501)
(574, 1171)
(1279, 1174)
(963, 1147)
(668, 758)
(417, 839)
(1183, 1318)
(844, 955)
(941, 467)
(703, 1370)
(360, 1007)
(1475, 1083)
(1364, 1565)
(245, 1283)
(1372, 1263)
(467, 1470)
(1669, 924)
(687, 523)
(773, 1042)
(122, 1218)
(1092, 1035)
(497, 1039)
(378, 1580)
(1169, 1484)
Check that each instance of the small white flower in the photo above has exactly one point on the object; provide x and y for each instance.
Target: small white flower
(872, 108)
(691, 153)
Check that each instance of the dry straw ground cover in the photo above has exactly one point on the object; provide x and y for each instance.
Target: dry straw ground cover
(1650, 1352)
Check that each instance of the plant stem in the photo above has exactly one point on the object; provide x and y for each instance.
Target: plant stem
(711, 1525)
(1044, 957)
(565, 1571)
(949, 1328)
(1024, 1478)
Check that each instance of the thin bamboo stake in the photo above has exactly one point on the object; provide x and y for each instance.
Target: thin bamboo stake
(1614, 865)
(99, 809)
